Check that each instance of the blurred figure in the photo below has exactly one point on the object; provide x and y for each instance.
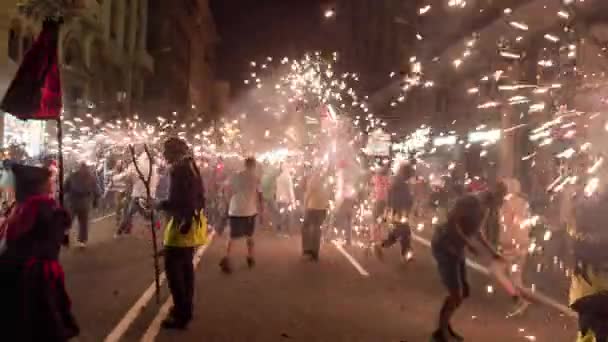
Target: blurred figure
(346, 198)
(138, 202)
(589, 283)
(286, 200)
(35, 304)
(380, 185)
(82, 193)
(245, 204)
(118, 189)
(185, 231)
(514, 241)
(400, 204)
(316, 203)
(269, 193)
(450, 240)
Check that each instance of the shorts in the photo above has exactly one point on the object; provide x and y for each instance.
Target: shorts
(452, 271)
(242, 226)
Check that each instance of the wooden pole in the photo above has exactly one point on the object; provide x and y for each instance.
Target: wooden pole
(60, 164)
(146, 180)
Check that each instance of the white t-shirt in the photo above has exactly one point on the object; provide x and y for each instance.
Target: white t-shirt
(245, 187)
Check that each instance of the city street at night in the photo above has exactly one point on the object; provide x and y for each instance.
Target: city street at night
(349, 295)
(303, 170)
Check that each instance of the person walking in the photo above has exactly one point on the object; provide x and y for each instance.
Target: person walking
(449, 242)
(82, 193)
(286, 200)
(185, 231)
(35, 303)
(380, 185)
(514, 241)
(118, 189)
(316, 203)
(269, 193)
(245, 204)
(400, 204)
(138, 203)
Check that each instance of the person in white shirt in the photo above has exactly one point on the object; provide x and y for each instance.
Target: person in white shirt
(139, 197)
(316, 202)
(245, 205)
(286, 200)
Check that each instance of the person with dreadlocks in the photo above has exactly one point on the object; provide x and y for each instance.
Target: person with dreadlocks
(589, 286)
(186, 229)
(34, 303)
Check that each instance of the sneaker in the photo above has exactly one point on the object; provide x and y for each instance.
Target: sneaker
(407, 257)
(439, 336)
(250, 262)
(454, 334)
(174, 324)
(225, 266)
(521, 305)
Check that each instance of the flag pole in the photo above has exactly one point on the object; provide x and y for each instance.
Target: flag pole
(60, 159)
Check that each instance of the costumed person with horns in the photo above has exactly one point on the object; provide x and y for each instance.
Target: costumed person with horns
(186, 229)
(589, 286)
(35, 304)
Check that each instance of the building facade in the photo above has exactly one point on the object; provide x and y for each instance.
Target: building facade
(183, 41)
(102, 53)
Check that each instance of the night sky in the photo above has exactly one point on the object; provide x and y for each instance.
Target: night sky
(253, 29)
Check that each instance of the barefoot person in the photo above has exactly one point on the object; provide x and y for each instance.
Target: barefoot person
(449, 242)
(245, 204)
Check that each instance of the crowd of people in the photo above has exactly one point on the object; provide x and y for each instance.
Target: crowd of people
(185, 195)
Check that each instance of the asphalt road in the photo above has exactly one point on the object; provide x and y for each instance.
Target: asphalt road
(286, 298)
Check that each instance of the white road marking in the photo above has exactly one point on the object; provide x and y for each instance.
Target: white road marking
(121, 328)
(350, 258)
(154, 328)
(537, 295)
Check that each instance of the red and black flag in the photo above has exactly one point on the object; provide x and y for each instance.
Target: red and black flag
(35, 92)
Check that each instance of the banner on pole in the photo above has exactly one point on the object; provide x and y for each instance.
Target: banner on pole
(35, 92)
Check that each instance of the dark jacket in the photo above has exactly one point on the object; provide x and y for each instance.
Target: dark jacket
(186, 192)
(400, 196)
(81, 186)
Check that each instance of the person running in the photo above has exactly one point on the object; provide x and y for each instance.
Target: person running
(316, 203)
(286, 200)
(35, 303)
(400, 204)
(184, 207)
(245, 204)
(138, 203)
(82, 193)
(380, 184)
(449, 242)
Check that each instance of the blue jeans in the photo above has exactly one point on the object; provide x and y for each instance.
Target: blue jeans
(133, 208)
